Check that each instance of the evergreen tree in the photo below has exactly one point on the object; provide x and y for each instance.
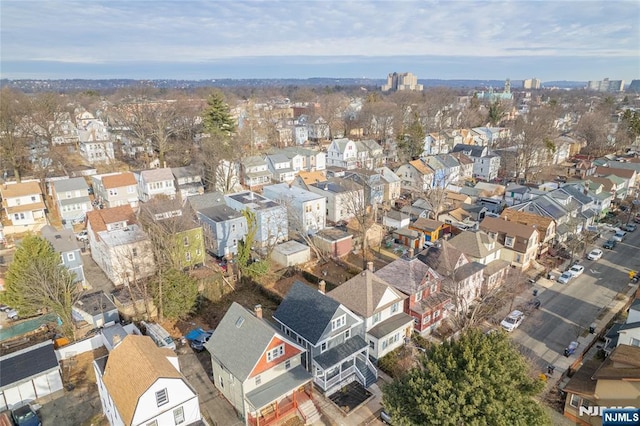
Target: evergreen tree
(478, 380)
(216, 116)
(36, 280)
(412, 142)
(179, 294)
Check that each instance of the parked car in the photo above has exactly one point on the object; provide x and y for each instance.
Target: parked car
(198, 342)
(594, 254)
(609, 245)
(82, 235)
(512, 321)
(5, 308)
(630, 227)
(13, 315)
(619, 236)
(565, 277)
(385, 417)
(576, 270)
(25, 416)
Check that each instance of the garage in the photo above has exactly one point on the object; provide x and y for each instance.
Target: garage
(291, 253)
(29, 374)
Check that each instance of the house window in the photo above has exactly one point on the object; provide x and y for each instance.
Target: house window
(394, 307)
(372, 345)
(338, 322)
(436, 314)
(376, 317)
(418, 296)
(152, 423)
(347, 334)
(178, 415)
(134, 252)
(71, 257)
(187, 256)
(635, 342)
(323, 347)
(574, 401)
(275, 353)
(131, 189)
(426, 319)
(221, 382)
(258, 380)
(508, 241)
(33, 198)
(186, 241)
(162, 397)
(287, 364)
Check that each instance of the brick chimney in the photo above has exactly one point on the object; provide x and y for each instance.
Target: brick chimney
(322, 286)
(370, 266)
(258, 311)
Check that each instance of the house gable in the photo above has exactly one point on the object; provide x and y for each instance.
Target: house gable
(267, 361)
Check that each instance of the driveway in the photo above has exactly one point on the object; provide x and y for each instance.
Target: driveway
(96, 279)
(213, 406)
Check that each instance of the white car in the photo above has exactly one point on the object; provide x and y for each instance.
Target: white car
(594, 254)
(565, 277)
(512, 321)
(619, 236)
(576, 270)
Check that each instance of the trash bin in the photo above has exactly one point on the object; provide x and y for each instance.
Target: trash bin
(566, 352)
(550, 369)
(535, 292)
(592, 328)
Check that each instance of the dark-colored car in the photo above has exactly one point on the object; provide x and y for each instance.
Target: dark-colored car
(25, 416)
(198, 343)
(630, 227)
(609, 245)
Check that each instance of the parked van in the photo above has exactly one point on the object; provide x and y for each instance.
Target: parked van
(158, 335)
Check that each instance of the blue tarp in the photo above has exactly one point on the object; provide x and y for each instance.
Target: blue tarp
(193, 334)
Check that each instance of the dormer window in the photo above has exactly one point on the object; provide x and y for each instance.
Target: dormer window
(509, 241)
(339, 322)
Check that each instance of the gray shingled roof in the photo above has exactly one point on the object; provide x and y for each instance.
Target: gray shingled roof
(240, 340)
(62, 241)
(306, 311)
(78, 183)
(406, 275)
(210, 199)
(337, 354)
(363, 293)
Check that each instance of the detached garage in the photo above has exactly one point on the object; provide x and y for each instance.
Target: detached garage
(291, 253)
(29, 374)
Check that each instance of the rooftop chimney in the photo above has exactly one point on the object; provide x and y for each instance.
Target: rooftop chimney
(411, 252)
(370, 266)
(258, 311)
(322, 286)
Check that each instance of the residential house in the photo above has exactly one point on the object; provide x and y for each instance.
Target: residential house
(416, 175)
(155, 182)
(394, 219)
(602, 198)
(306, 178)
(94, 141)
(414, 240)
(65, 243)
(343, 153)
(319, 130)
(23, 203)
(280, 168)
(258, 370)
(432, 230)
(223, 227)
(434, 144)
(392, 186)
(380, 305)
(485, 165)
(116, 189)
(630, 175)
(614, 382)
(72, 199)
(582, 169)
(188, 181)
(29, 374)
(333, 336)
(175, 231)
(272, 223)
(545, 225)
(119, 245)
(490, 136)
(371, 183)
(141, 384)
(422, 286)
(517, 194)
(466, 165)
(521, 242)
(306, 209)
(300, 134)
(444, 173)
(627, 333)
(480, 247)
(370, 154)
(254, 172)
(343, 197)
(462, 277)
(96, 309)
(304, 159)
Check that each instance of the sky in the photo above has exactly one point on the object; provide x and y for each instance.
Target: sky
(196, 40)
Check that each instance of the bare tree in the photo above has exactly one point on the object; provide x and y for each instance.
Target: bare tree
(332, 108)
(355, 205)
(594, 127)
(13, 135)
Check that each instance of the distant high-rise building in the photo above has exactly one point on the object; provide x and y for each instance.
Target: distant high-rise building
(606, 85)
(401, 81)
(531, 83)
(634, 87)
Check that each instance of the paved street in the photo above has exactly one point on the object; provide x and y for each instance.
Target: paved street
(567, 310)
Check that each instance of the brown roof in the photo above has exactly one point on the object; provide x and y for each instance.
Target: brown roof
(363, 293)
(119, 180)
(421, 167)
(100, 218)
(443, 259)
(132, 367)
(623, 363)
(423, 224)
(622, 173)
(19, 189)
(527, 218)
(408, 275)
(461, 157)
(502, 226)
(312, 177)
(582, 382)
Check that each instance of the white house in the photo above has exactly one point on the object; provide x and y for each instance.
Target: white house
(116, 189)
(306, 209)
(271, 218)
(155, 182)
(342, 153)
(23, 203)
(72, 199)
(341, 195)
(141, 384)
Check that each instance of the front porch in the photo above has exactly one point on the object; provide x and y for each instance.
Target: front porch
(343, 364)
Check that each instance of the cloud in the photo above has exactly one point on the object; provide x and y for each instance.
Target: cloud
(101, 32)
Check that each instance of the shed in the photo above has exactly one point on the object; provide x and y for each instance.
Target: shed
(97, 309)
(395, 219)
(334, 241)
(29, 374)
(291, 253)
